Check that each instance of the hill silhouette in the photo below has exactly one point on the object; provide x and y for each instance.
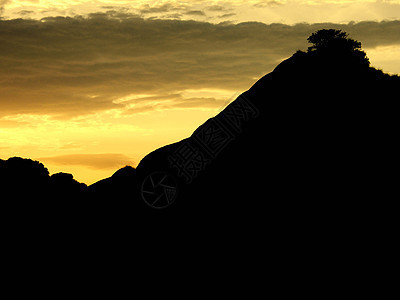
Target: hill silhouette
(23, 178)
(310, 143)
(312, 137)
(296, 174)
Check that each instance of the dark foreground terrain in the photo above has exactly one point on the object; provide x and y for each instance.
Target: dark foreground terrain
(310, 147)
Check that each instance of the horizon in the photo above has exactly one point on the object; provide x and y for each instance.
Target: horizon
(96, 86)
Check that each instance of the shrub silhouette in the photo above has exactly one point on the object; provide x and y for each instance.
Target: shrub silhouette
(64, 185)
(336, 43)
(326, 38)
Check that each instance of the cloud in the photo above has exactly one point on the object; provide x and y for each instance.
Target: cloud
(93, 161)
(67, 66)
(25, 12)
(195, 13)
(269, 3)
(218, 8)
(2, 4)
(227, 15)
(169, 101)
(147, 9)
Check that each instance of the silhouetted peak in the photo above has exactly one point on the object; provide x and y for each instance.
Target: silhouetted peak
(65, 179)
(64, 186)
(61, 177)
(22, 169)
(118, 185)
(334, 66)
(333, 54)
(126, 171)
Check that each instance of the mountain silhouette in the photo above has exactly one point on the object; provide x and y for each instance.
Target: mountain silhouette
(312, 138)
(296, 175)
(312, 142)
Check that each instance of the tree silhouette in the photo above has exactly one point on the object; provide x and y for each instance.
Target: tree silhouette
(337, 43)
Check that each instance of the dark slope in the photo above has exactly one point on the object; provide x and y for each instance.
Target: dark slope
(310, 143)
(314, 115)
(296, 177)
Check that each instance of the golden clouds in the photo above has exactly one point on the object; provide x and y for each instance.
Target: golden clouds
(115, 86)
(68, 67)
(267, 11)
(74, 66)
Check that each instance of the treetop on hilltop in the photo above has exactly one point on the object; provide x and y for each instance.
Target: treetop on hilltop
(337, 42)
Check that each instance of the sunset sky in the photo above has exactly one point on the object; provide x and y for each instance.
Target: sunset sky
(87, 87)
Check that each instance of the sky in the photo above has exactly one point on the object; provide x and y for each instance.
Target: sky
(87, 87)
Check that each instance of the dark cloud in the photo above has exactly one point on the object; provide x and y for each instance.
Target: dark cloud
(195, 13)
(169, 9)
(373, 34)
(147, 9)
(174, 16)
(271, 3)
(73, 66)
(218, 8)
(93, 161)
(215, 8)
(25, 13)
(226, 15)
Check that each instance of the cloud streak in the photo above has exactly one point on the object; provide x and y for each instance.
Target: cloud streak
(93, 161)
(73, 66)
